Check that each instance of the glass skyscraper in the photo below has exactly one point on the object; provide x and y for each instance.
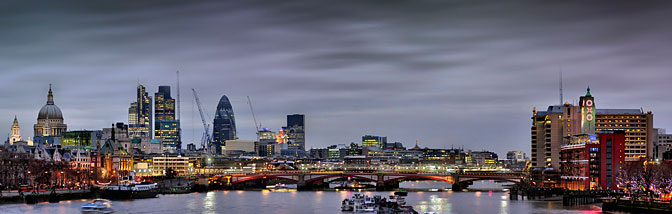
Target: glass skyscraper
(224, 125)
(295, 129)
(139, 115)
(166, 127)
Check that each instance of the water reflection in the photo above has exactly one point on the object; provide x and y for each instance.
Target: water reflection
(209, 202)
(323, 202)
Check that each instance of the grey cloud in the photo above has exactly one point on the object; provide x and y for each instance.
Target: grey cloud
(439, 72)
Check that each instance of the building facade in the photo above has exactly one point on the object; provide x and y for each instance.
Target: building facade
(224, 125)
(139, 115)
(591, 161)
(166, 127)
(82, 140)
(373, 141)
(551, 129)
(295, 131)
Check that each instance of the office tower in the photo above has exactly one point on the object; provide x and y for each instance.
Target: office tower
(166, 127)
(373, 141)
(295, 130)
(139, 115)
(224, 125)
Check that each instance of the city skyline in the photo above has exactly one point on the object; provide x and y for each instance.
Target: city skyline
(350, 73)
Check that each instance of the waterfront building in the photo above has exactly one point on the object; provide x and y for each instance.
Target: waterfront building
(224, 125)
(482, 158)
(166, 127)
(161, 164)
(551, 128)
(373, 141)
(591, 161)
(394, 156)
(114, 159)
(139, 115)
(49, 121)
(444, 156)
(295, 131)
(82, 140)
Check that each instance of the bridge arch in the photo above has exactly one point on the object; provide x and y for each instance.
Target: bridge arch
(446, 179)
(261, 177)
(312, 180)
(512, 180)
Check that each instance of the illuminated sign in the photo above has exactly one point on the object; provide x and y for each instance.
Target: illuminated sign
(588, 113)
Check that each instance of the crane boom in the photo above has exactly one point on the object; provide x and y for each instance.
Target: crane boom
(257, 125)
(206, 134)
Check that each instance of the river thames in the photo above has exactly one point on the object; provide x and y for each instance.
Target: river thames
(482, 201)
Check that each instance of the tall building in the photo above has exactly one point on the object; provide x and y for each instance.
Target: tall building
(295, 130)
(139, 115)
(16, 132)
(224, 125)
(552, 128)
(373, 141)
(49, 119)
(592, 161)
(166, 127)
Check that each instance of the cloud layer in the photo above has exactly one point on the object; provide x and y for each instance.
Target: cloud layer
(444, 73)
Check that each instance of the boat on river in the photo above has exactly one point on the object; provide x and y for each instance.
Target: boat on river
(377, 204)
(102, 206)
(127, 188)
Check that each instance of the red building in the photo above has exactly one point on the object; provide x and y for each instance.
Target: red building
(591, 161)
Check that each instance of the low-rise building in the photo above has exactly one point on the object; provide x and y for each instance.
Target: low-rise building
(161, 164)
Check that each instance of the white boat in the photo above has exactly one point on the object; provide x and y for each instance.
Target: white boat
(98, 206)
(281, 186)
(359, 203)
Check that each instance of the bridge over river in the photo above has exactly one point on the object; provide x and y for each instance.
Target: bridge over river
(384, 179)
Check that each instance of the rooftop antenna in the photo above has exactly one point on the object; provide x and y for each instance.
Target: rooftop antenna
(561, 98)
(179, 129)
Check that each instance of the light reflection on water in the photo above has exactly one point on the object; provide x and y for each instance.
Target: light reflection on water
(322, 202)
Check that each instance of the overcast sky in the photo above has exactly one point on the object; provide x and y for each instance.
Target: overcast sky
(444, 73)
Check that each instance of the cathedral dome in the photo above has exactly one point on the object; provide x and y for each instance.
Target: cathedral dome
(50, 110)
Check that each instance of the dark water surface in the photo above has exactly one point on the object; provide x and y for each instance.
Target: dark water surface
(322, 202)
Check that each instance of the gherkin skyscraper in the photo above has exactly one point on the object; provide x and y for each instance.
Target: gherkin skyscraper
(224, 125)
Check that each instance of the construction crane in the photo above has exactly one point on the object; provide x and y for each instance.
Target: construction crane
(205, 141)
(257, 125)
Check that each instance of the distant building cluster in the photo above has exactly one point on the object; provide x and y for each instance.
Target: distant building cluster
(582, 147)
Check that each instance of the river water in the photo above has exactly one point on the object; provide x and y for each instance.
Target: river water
(482, 201)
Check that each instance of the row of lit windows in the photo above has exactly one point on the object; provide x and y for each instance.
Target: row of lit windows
(621, 117)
